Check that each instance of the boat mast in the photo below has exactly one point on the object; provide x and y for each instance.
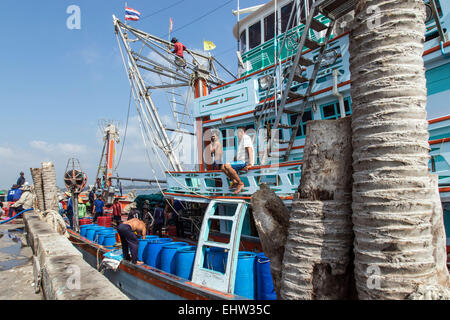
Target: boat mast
(164, 64)
(138, 81)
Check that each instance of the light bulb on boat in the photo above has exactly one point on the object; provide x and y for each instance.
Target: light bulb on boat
(265, 82)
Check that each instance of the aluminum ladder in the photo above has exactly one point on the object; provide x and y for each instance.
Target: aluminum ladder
(210, 278)
(333, 10)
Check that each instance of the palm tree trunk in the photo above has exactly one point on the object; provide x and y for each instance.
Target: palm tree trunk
(392, 206)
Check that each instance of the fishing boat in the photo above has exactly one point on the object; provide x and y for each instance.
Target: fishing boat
(278, 89)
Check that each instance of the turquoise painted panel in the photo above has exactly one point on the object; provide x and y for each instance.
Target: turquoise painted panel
(246, 229)
(438, 79)
(234, 99)
(447, 222)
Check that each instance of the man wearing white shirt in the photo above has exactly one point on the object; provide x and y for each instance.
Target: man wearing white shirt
(244, 159)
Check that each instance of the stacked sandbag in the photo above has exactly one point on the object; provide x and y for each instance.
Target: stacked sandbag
(36, 174)
(49, 186)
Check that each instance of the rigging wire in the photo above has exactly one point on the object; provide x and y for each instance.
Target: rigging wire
(163, 9)
(199, 18)
(125, 134)
(161, 163)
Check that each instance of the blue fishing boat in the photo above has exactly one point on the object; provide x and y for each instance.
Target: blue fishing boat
(273, 102)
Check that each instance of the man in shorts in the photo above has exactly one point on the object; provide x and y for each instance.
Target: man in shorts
(244, 159)
(130, 243)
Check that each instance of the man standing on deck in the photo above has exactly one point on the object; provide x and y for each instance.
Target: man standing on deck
(91, 201)
(98, 204)
(117, 212)
(147, 216)
(69, 210)
(129, 239)
(159, 220)
(244, 159)
(20, 180)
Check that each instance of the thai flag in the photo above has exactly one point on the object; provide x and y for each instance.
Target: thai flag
(131, 14)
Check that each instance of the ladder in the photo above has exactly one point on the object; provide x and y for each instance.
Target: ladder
(211, 278)
(333, 10)
(184, 122)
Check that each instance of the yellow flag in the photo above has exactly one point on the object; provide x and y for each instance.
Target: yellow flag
(208, 45)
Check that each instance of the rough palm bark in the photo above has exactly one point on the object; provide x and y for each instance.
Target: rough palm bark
(272, 221)
(317, 262)
(49, 186)
(38, 187)
(392, 206)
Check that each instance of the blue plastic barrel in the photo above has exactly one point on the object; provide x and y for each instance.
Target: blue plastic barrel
(83, 229)
(184, 261)
(152, 251)
(149, 237)
(264, 283)
(97, 232)
(167, 256)
(245, 275)
(110, 240)
(90, 233)
(102, 234)
(142, 244)
(215, 259)
(86, 228)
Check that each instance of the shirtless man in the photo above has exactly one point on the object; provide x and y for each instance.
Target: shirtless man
(129, 239)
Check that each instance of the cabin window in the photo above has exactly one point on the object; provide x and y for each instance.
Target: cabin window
(307, 115)
(228, 138)
(243, 41)
(333, 111)
(269, 27)
(254, 35)
(285, 14)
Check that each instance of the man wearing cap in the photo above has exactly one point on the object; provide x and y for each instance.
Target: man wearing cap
(134, 212)
(178, 51)
(21, 180)
(26, 199)
(98, 204)
(146, 215)
(117, 211)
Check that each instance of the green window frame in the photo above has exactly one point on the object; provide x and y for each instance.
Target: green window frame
(230, 141)
(332, 111)
(301, 132)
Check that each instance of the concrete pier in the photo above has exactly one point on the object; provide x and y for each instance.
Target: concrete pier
(16, 267)
(35, 255)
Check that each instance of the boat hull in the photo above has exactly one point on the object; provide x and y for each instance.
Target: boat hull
(142, 282)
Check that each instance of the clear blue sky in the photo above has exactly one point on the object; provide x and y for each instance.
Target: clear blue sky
(56, 83)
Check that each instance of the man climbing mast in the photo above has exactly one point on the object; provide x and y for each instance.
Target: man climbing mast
(178, 51)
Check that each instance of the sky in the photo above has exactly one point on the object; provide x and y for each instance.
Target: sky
(57, 84)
